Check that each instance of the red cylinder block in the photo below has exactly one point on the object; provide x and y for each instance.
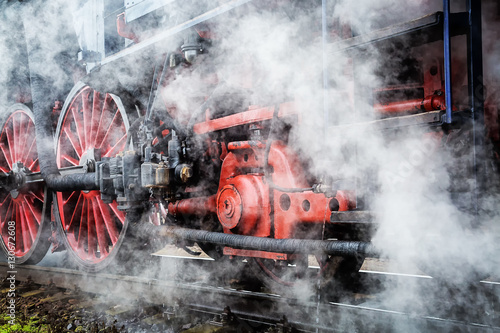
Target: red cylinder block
(242, 206)
(246, 194)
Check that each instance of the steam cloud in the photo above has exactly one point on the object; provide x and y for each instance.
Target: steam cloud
(281, 53)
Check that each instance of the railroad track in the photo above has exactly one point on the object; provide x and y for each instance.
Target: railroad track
(253, 310)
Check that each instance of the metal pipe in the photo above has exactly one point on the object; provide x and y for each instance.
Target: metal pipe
(447, 60)
(44, 89)
(429, 103)
(306, 246)
(194, 206)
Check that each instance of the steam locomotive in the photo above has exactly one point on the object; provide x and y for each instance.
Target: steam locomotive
(232, 124)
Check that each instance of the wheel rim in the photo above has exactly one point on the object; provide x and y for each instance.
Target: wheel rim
(91, 126)
(24, 206)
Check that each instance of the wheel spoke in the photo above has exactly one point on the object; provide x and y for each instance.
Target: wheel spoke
(38, 194)
(70, 160)
(34, 166)
(35, 212)
(15, 137)
(87, 114)
(83, 226)
(7, 157)
(76, 212)
(19, 136)
(97, 113)
(4, 195)
(104, 120)
(71, 197)
(100, 229)
(10, 143)
(109, 221)
(24, 228)
(25, 133)
(79, 126)
(74, 141)
(29, 222)
(118, 213)
(5, 213)
(91, 236)
(117, 147)
(108, 139)
(26, 155)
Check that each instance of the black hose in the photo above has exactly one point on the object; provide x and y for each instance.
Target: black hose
(305, 246)
(268, 177)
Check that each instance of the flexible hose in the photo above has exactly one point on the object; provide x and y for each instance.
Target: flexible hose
(306, 246)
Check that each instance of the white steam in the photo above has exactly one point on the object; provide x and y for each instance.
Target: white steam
(274, 53)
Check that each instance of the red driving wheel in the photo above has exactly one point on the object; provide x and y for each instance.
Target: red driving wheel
(22, 208)
(92, 125)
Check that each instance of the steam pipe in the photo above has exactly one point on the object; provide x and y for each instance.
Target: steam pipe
(447, 60)
(335, 248)
(429, 103)
(42, 94)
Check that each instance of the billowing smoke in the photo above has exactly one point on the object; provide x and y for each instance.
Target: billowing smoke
(264, 53)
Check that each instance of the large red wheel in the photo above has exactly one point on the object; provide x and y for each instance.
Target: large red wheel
(23, 227)
(92, 125)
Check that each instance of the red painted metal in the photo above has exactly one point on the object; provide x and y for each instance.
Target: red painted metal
(238, 184)
(304, 207)
(243, 206)
(124, 29)
(429, 103)
(22, 211)
(193, 206)
(93, 125)
(246, 145)
(229, 251)
(243, 203)
(243, 118)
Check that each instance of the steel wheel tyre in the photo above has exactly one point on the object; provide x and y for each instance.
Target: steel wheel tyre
(23, 224)
(92, 125)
